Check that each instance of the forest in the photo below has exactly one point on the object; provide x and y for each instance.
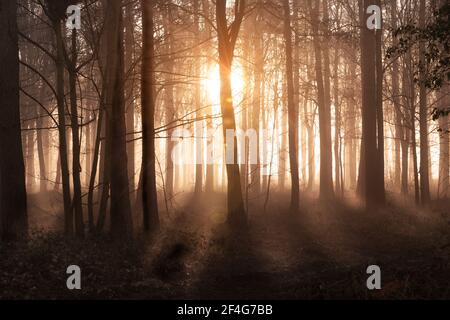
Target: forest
(224, 149)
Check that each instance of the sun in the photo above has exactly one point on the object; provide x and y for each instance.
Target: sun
(211, 84)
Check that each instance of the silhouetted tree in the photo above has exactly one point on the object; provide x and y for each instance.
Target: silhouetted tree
(13, 198)
(149, 194)
(227, 36)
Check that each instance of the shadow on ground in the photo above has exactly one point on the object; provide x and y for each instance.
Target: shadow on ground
(320, 253)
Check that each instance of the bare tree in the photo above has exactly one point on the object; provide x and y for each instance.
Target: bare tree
(227, 37)
(149, 195)
(121, 224)
(13, 198)
(292, 112)
(370, 163)
(423, 117)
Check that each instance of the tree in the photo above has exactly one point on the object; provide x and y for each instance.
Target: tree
(129, 96)
(292, 112)
(423, 116)
(258, 73)
(13, 198)
(149, 194)
(444, 145)
(55, 11)
(399, 131)
(121, 224)
(227, 37)
(370, 164)
(199, 129)
(76, 148)
(324, 102)
(434, 39)
(381, 195)
(169, 98)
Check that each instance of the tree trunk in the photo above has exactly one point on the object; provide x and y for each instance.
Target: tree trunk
(399, 132)
(405, 138)
(149, 193)
(209, 180)
(199, 125)
(63, 161)
(350, 132)
(94, 166)
(444, 145)
(120, 210)
(370, 164)
(129, 95)
(412, 123)
(423, 117)
(292, 114)
(257, 95)
(283, 131)
(227, 37)
(40, 148)
(13, 198)
(324, 104)
(337, 125)
(381, 194)
(169, 104)
(76, 163)
(29, 138)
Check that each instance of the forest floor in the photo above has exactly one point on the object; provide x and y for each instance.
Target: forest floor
(321, 253)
